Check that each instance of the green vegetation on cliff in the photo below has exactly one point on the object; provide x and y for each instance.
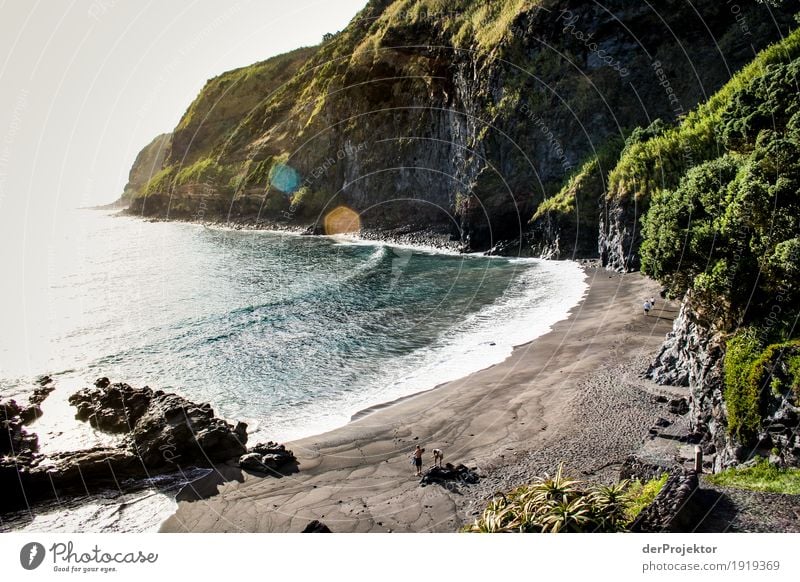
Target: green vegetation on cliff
(658, 163)
(148, 162)
(730, 228)
(754, 376)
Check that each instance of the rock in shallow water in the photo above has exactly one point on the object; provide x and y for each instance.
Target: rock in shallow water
(161, 433)
(161, 429)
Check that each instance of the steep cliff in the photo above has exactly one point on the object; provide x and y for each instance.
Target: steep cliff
(147, 164)
(460, 116)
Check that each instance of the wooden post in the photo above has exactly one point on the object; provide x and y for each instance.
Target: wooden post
(698, 459)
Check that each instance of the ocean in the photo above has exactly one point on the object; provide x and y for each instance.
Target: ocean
(291, 334)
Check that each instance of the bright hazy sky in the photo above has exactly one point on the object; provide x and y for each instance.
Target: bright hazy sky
(84, 84)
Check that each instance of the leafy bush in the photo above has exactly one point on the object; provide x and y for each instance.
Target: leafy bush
(730, 228)
(658, 163)
(764, 476)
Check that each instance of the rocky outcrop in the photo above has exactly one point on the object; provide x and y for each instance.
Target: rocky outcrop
(15, 440)
(676, 508)
(778, 435)
(159, 433)
(45, 386)
(18, 449)
(269, 458)
(619, 236)
(161, 429)
(691, 355)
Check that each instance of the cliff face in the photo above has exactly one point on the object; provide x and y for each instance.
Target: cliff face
(147, 164)
(461, 116)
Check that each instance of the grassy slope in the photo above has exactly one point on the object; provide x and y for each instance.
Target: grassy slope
(659, 163)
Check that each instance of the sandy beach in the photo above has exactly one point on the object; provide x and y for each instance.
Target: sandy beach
(574, 395)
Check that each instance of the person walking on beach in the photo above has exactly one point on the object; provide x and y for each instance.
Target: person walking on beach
(653, 302)
(417, 457)
(647, 306)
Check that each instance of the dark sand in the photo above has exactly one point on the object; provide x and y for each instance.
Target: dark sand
(556, 394)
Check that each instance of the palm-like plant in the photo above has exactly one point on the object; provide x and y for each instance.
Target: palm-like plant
(610, 503)
(556, 489)
(557, 504)
(568, 516)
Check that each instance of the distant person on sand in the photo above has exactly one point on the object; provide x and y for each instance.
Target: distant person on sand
(438, 457)
(653, 302)
(647, 307)
(418, 460)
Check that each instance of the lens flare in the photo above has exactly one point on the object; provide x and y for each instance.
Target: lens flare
(342, 219)
(285, 178)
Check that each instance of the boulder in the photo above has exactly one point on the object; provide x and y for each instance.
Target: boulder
(30, 413)
(267, 458)
(449, 474)
(251, 462)
(15, 441)
(161, 429)
(110, 407)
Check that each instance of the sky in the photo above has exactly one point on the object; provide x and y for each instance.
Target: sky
(85, 84)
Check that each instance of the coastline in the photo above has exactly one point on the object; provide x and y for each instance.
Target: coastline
(357, 478)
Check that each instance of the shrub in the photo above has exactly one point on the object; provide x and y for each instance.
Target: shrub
(561, 505)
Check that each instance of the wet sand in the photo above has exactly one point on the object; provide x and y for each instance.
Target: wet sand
(359, 478)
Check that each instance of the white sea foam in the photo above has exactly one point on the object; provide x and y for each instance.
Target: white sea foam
(543, 294)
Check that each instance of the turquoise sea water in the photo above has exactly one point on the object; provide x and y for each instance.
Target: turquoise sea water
(291, 334)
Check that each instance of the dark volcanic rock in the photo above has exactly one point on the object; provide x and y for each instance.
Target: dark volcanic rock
(316, 527)
(267, 458)
(160, 432)
(448, 474)
(679, 406)
(15, 441)
(161, 429)
(46, 386)
(31, 413)
(18, 450)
